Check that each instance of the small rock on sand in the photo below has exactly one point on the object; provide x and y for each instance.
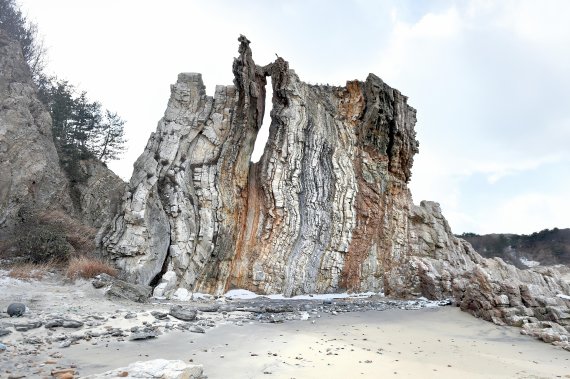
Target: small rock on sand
(24, 327)
(16, 309)
(182, 313)
(67, 373)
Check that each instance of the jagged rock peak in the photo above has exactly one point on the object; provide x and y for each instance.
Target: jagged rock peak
(198, 207)
(326, 209)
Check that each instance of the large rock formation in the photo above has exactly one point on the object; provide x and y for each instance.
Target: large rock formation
(33, 187)
(326, 209)
(316, 214)
(30, 175)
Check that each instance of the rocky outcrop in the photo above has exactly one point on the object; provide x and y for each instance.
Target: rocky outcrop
(316, 214)
(100, 196)
(327, 208)
(33, 187)
(443, 266)
(30, 175)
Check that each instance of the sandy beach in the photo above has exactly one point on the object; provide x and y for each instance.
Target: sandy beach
(432, 342)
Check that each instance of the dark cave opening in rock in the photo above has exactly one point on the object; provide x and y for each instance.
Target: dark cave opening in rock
(263, 133)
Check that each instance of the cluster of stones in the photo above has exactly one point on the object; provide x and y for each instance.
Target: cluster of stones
(43, 337)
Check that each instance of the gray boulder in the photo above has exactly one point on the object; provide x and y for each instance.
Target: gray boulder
(16, 309)
(184, 314)
(102, 280)
(133, 292)
(65, 323)
(24, 327)
(143, 333)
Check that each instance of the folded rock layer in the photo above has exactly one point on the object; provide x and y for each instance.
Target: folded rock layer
(326, 209)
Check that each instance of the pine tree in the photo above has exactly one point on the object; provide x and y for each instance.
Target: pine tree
(13, 22)
(111, 137)
(81, 129)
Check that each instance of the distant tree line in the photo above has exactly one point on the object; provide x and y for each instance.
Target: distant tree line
(81, 128)
(548, 246)
(536, 236)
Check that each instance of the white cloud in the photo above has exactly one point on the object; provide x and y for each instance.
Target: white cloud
(490, 82)
(528, 213)
(496, 170)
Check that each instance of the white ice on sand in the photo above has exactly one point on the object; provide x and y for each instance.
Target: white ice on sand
(241, 294)
(182, 294)
(156, 368)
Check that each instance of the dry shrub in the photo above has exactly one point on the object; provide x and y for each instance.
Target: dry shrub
(42, 243)
(49, 235)
(79, 235)
(30, 271)
(87, 268)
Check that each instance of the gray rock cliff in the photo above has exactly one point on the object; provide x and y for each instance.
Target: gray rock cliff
(29, 171)
(100, 197)
(31, 179)
(327, 208)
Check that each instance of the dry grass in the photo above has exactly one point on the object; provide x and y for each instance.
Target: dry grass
(87, 268)
(30, 271)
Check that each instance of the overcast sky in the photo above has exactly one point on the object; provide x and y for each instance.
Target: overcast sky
(490, 81)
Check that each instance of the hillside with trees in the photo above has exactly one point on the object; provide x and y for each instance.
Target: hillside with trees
(55, 188)
(548, 247)
(81, 128)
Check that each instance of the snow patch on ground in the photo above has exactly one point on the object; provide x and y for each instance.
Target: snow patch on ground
(5, 280)
(529, 263)
(242, 294)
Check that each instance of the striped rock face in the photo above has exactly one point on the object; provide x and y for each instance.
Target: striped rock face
(326, 209)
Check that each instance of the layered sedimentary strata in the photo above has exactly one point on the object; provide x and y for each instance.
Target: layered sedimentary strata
(316, 214)
(441, 265)
(326, 209)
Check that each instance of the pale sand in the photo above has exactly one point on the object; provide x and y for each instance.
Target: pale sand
(429, 343)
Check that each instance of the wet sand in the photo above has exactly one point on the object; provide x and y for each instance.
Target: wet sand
(429, 343)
